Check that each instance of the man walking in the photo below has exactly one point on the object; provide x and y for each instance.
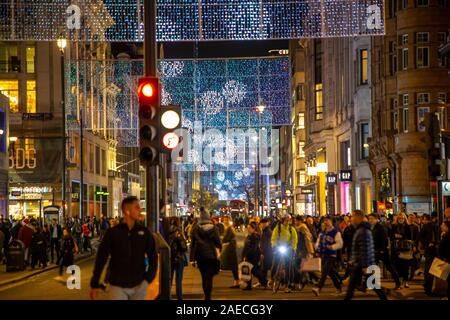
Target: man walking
(328, 243)
(381, 244)
(266, 246)
(363, 255)
(55, 240)
(127, 244)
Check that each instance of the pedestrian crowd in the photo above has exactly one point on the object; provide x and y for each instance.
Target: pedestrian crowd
(344, 248)
(49, 242)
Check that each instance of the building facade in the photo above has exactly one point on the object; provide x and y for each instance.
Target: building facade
(337, 118)
(409, 80)
(4, 158)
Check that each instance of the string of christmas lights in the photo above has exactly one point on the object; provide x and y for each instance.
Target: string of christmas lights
(188, 20)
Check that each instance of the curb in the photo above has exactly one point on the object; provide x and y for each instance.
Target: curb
(12, 281)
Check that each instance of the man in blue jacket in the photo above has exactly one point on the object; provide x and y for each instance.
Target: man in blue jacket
(362, 255)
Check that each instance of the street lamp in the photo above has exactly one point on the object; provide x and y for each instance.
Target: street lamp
(62, 44)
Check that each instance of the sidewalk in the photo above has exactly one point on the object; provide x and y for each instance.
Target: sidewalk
(8, 278)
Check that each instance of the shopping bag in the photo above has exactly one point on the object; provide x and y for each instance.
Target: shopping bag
(439, 287)
(440, 269)
(311, 265)
(245, 271)
(406, 255)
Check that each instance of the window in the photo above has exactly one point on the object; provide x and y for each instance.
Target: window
(299, 92)
(91, 158)
(319, 102)
(421, 112)
(422, 37)
(9, 58)
(97, 160)
(363, 67)
(404, 4)
(423, 98)
(444, 3)
(405, 119)
(301, 150)
(422, 57)
(422, 3)
(302, 177)
(405, 99)
(364, 141)
(442, 38)
(392, 57)
(345, 155)
(10, 88)
(104, 163)
(396, 121)
(301, 120)
(31, 52)
(405, 58)
(442, 97)
(392, 8)
(31, 96)
(405, 39)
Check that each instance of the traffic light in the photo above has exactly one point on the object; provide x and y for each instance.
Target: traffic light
(149, 133)
(434, 151)
(170, 117)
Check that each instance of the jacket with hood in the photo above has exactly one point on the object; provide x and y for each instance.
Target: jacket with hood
(204, 241)
(380, 238)
(363, 251)
(305, 244)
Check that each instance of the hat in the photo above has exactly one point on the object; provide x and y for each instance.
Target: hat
(204, 217)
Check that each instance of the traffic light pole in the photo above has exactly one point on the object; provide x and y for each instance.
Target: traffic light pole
(152, 192)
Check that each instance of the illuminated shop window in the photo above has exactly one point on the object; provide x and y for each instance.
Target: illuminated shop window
(31, 96)
(10, 88)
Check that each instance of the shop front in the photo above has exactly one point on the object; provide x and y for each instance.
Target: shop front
(345, 192)
(29, 201)
(309, 193)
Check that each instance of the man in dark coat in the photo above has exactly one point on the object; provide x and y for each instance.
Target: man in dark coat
(363, 255)
(381, 244)
(266, 245)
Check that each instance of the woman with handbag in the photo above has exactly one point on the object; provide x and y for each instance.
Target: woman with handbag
(402, 249)
(444, 249)
(178, 249)
(228, 256)
(252, 254)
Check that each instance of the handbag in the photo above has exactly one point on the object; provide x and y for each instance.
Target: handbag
(406, 255)
(439, 287)
(440, 269)
(311, 265)
(245, 271)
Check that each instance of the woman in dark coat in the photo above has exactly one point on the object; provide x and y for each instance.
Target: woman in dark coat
(178, 249)
(252, 254)
(68, 250)
(402, 247)
(38, 249)
(228, 256)
(444, 249)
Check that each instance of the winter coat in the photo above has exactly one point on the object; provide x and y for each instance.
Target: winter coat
(67, 250)
(252, 251)
(26, 235)
(363, 251)
(380, 238)
(313, 230)
(427, 237)
(59, 231)
(266, 247)
(348, 239)
(330, 238)
(38, 243)
(415, 233)
(444, 248)
(286, 235)
(228, 256)
(204, 242)
(400, 237)
(305, 244)
(177, 244)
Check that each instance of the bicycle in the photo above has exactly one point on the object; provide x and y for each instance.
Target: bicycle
(281, 272)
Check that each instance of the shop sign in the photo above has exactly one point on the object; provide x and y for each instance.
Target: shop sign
(37, 116)
(102, 193)
(307, 191)
(331, 179)
(17, 192)
(345, 176)
(446, 188)
(418, 208)
(75, 197)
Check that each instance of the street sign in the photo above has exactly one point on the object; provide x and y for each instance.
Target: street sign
(446, 188)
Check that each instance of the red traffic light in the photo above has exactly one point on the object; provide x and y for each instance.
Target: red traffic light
(148, 90)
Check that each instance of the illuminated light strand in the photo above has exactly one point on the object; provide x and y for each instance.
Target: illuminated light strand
(178, 20)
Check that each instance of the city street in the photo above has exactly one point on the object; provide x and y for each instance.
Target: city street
(45, 287)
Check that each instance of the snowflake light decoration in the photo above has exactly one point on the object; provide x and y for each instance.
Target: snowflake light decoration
(212, 102)
(171, 68)
(166, 98)
(246, 172)
(238, 175)
(220, 176)
(234, 92)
